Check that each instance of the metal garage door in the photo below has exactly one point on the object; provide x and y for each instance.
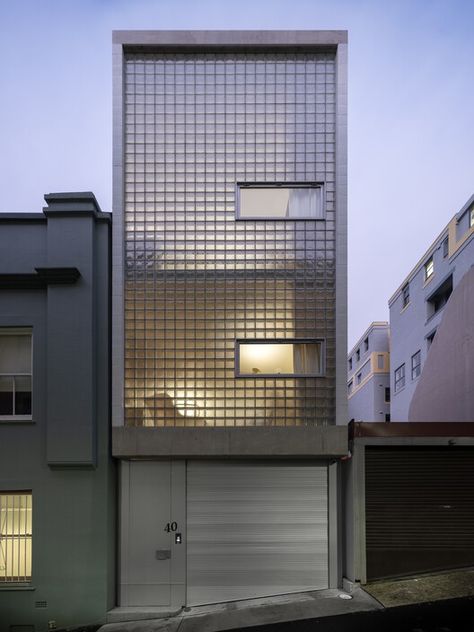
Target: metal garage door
(419, 509)
(255, 529)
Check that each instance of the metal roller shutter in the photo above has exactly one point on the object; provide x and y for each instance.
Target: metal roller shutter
(255, 529)
(419, 510)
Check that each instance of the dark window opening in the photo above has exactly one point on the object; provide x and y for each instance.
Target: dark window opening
(439, 298)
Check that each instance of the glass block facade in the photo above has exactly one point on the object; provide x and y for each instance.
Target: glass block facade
(196, 279)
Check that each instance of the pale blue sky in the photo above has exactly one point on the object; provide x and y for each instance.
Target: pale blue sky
(411, 123)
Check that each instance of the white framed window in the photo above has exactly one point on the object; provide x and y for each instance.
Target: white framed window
(16, 517)
(273, 200)
(15, 373)
(406, 294)
(400, 377)
(285, 358)
(471, 217)
(429, 268)
(415, 365)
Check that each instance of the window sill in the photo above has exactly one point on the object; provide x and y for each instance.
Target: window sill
(21, 587)
(14, 419)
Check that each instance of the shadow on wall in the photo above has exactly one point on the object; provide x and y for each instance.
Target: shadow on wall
(445, 389)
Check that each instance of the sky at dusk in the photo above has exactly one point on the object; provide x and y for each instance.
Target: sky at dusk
(411, 107)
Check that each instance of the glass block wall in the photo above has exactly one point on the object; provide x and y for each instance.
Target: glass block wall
(197, 279)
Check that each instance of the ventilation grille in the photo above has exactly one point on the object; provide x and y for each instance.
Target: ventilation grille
(41, 604)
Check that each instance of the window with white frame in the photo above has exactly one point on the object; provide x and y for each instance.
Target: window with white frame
(15, 373)
(406, 294)
(415, 365)
(279, 201)
(471, 217)
(15, 536)
(400, 377)
(429, 268)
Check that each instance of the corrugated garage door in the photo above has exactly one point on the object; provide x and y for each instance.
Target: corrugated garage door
(255, 529)
(419, 510)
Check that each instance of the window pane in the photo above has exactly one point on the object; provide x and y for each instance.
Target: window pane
(6, 396)
(15, 537)
(280, 358)
(23, 396)
(15, 354)
(280, 202)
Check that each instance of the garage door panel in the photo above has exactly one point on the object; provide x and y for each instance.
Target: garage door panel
(255, 530)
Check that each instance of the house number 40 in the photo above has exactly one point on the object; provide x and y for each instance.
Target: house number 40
(171, 526)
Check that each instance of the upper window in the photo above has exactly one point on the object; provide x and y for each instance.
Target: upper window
(415, 365)
(259, 358)
(429, 268)
(279, 201)
(366, 344)
(445, 247)
(358, 355)
(471, 217)
(406, 294)
(15, 536)
(399, 377)
(15, 374)
(350, 364)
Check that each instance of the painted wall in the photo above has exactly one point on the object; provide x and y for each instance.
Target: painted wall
(62, 455)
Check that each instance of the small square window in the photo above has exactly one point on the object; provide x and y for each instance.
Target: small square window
(406, 294)
(429, 268)
(258, 358)
(15, 374)
(279, 201)
(400, 377)
(415, 365)
(15, 537)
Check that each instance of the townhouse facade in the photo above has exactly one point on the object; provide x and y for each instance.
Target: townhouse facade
(417, 307)
(368, 375)
(229, 315)
(57, 480)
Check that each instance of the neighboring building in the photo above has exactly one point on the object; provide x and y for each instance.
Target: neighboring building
(368, 375)
(229, 312)
(57, 505)
(417, 307)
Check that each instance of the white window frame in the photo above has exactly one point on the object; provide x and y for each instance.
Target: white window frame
(399, 377)
(416, 367)
(429, 268)
(274, 185)
(19, 331)
(21, 541)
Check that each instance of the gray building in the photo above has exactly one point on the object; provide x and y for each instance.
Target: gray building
(229, 329)
(57, 505)
(417, 307)
(368, 375)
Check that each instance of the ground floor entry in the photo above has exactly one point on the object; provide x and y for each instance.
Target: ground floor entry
(201, 532)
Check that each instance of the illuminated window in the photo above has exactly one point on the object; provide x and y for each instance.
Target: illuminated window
(271, 201)
(15, 374)
(258, 358)
(15, 536)
(429, 268)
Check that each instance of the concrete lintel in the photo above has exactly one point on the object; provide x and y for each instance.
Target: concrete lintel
(298, 442)
(77, 203)
(219, 39)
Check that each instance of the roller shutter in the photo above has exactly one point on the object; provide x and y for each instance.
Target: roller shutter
(255, 529)
(419, 510)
